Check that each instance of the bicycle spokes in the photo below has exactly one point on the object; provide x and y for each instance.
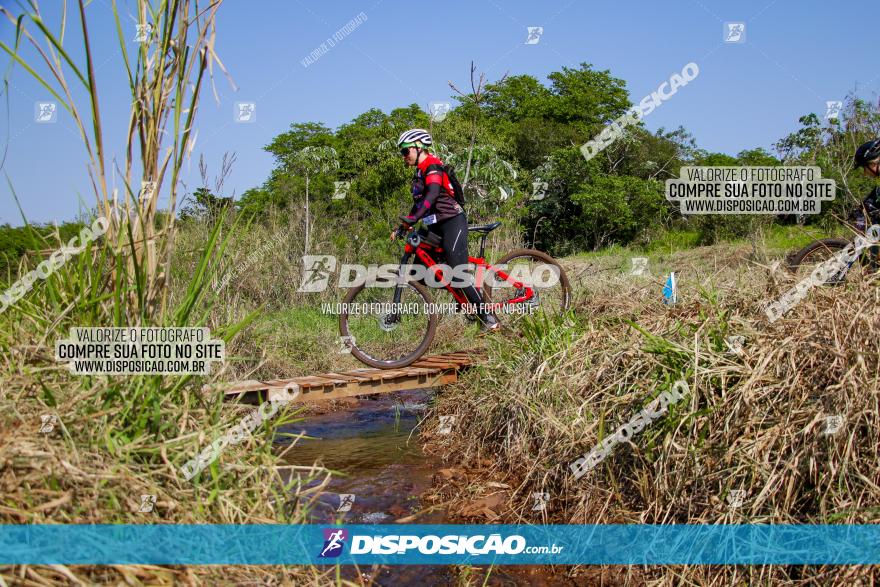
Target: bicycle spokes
(386, 331)
(526, 282)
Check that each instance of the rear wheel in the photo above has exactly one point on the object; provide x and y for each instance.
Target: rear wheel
(537, 270)
(380, 337)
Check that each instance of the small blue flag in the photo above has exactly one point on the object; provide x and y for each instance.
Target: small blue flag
(670, 294)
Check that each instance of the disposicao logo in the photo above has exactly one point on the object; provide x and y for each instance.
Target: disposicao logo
(334, 540)
(470, 545)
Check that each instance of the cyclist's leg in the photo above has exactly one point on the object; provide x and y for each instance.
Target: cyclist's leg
(454, 232)
(441, 259)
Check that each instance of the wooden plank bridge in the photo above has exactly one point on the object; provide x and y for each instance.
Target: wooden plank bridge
(431, 371)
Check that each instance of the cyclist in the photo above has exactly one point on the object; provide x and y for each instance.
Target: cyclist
(868, 158)
(435, 205)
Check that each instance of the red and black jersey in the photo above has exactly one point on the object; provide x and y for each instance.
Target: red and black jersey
(433, 195)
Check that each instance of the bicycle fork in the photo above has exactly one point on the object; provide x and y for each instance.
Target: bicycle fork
(393, 317)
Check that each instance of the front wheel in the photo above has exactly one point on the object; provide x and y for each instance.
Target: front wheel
(551, 292)
(805, 261)
(381, 334)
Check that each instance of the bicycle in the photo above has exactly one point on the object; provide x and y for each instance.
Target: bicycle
(805, 261)
(403, 330)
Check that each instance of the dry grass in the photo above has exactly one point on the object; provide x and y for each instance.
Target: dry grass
(93, 469)
(81, 472)
(753, 422)
(117, 438)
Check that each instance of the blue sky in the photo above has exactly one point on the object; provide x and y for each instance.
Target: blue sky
(796, 55)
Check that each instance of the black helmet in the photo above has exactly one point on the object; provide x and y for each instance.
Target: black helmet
(867, 152)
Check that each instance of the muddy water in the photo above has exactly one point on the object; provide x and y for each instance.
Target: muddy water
(375, 451)
(373, 447)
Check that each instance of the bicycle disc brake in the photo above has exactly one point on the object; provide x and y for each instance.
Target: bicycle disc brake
(534, 301)
(389, 321)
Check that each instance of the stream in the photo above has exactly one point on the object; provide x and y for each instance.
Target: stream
(377, 454)
(375, 450)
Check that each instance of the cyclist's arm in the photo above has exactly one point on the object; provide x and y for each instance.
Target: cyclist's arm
(872, 204)
(413, 210)
(432, 192)
(868, 212)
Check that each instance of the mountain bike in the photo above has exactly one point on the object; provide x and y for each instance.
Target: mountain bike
(805, 261)
(391, 324)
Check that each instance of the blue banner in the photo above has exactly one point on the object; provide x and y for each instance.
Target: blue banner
(629, 544)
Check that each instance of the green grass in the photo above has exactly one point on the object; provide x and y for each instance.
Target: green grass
(666, 242)
(295, 341)
(777, 239)
(304, 320)
(670, 241)
(786, 238)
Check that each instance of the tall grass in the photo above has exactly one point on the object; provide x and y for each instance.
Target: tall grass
(165, 76)
(753, 422)
(117, 438)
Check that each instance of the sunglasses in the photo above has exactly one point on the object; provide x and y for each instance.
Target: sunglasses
(405, 151)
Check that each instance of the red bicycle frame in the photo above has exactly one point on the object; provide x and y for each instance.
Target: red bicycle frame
(415, 245)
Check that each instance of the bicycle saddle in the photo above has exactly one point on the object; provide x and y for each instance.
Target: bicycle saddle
(484, 228)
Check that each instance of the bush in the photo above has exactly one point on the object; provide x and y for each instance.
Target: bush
(617, 209)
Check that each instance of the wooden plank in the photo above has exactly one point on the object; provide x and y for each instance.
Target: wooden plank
(386, 387)
(440, 365)
(274, 393)
(274, 383)
(374, 376)
(432, 363)
(421, 370)
(325, 377)
(392, 374)
(346, 376)
(312, 381)
(430, 371)
(250, 385)
(463, 361)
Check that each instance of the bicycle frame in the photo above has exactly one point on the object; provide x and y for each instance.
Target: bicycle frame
(415, 246)
(868, 257)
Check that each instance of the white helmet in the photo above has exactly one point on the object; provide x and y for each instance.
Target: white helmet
(415, 135)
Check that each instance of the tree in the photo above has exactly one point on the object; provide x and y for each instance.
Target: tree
(489, 171)
(204, 206)
(757, 158)
(533, 120)
(650, 156)
(832, 148)
(553, 223)
(586, 96)
(300, 136)
(517, 97)
(615, 208)
(473, 103)
(308, 162)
